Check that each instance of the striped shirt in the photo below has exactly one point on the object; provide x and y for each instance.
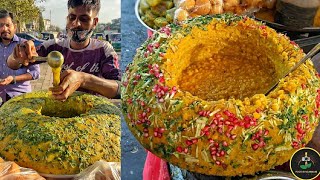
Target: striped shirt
(98, 58)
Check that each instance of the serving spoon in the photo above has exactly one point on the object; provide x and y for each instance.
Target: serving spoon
(55, 60)
(310, 54)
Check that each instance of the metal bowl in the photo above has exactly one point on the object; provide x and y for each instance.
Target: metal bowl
(136, 10)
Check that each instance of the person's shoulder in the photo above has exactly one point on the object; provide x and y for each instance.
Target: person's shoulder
(18, 39)
(97, 43)
(59, 42)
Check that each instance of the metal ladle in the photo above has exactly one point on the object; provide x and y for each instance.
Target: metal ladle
(310, 54)
(55, 60)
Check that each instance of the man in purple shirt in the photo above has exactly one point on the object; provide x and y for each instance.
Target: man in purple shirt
(89, 65)
(12, 82)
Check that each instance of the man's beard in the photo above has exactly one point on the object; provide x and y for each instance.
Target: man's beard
(78, 35)
(7, 37)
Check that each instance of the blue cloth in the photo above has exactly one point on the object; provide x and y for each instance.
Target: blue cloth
(20, 87)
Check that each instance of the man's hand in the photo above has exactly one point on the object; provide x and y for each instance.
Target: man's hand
(6, 81)
(24, 52)
(70, 81)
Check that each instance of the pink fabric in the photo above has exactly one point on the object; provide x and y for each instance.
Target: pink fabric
(155, 168)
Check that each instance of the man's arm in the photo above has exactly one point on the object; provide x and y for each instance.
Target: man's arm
(20, 78)
(72, 80)
(106, 87)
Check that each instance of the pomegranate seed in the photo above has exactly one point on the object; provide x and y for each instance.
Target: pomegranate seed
(224, 143)
(233, 136)
(206, 128)
(148, 110)
(179, 149)
(247, 118)
(215, 121)
(262, 144)
(213, 148)
(216, 144)
(227, 122)
(213, 126)
(220, 119)
(218, 162)
(222, 153)
(145, 134)
(316, 113)
(300, 131)
(303, 86)
(155, 134)
(214, 157)
(135, 82)
(145, 130)
(255, 146)
(220, 130)
(230, 128)
(218, 154)
(161, 130)
(148, 122)
(218, 116)
(194, 141)
(185, 150)
(224, 166)
(159, 135)
(156, 45)
(228, 135)
(211, 141)
(142, 103)
(161, 100)
(207, 133)
(201, 113)
(137, 77)
(254, 137)
(188, 142)
(266, 132)
(214, 153)
(305, 117)
(246, 126)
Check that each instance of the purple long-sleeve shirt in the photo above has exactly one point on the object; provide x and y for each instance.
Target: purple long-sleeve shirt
(20, 87)
(98, 58)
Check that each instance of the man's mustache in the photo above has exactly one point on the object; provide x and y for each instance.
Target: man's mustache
(76, 29)
(5, 32)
